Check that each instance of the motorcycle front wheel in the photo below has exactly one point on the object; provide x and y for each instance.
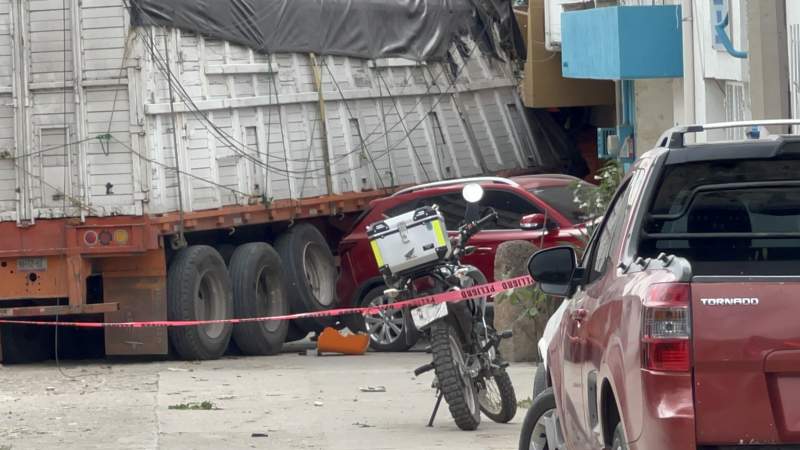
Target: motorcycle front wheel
(497, 398)
(455, 382)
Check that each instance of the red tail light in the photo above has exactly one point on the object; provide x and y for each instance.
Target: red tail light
(666, 328)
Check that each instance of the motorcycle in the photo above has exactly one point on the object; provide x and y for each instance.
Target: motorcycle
(470, 373)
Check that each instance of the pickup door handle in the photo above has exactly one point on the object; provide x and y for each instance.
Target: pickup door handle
(578, 315)
(483, 249)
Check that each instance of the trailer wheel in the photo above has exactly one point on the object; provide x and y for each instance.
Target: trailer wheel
(258, 291)
(295, 333)
(310, 274)
(198, 288)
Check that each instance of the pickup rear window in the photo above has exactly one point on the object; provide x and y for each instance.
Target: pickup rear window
(738, 217)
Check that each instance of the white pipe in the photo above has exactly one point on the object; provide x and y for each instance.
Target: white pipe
(688, 63)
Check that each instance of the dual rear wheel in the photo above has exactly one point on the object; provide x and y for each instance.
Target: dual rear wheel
(252, 280)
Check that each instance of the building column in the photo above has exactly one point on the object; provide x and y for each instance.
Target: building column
(769, 64)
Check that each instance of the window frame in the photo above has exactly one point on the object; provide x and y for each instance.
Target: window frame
(591, 254)
(538, 210)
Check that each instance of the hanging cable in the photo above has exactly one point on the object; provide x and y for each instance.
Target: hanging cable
(180, 242)
(364, 149)
(180, 172)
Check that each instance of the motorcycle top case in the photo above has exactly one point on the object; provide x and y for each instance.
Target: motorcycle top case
(409, 242)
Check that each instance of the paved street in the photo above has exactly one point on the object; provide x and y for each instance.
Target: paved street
(283, 402)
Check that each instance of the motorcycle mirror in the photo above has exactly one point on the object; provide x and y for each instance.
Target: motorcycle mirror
(472, 193)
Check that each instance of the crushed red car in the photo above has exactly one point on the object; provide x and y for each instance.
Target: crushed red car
(680, 326)
(535, 208)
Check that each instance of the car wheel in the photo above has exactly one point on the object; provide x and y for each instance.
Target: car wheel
(619, 442)
(386, 330)
(534, 429)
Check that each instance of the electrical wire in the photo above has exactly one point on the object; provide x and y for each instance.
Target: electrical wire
(350, 113)
(8, 157)
(229, 140)
(181, 172)
(232, 141)
(66, 172)
(405, 129)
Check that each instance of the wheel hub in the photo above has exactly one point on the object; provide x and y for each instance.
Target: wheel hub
(385, 327)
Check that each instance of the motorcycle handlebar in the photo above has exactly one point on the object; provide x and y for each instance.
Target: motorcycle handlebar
(472, 228)
(491, 216)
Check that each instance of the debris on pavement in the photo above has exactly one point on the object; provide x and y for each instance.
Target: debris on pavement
(332, 341)
(204, 406)
(372, 388)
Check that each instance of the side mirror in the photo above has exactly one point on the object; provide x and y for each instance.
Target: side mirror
(555, 269)
(532, 222)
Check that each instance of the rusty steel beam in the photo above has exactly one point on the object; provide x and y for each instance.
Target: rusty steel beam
(61, 310)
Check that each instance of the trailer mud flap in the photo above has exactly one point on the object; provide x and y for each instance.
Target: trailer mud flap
(139, 298)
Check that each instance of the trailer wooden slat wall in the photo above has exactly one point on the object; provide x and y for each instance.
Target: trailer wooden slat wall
(250, 129)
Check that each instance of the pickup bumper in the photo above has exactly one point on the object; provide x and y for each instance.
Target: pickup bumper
(668, 413)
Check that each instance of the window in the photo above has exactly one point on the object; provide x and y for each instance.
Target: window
(766, 206)
(452, 206)
(562, 199)
(609, 236)
(510, 208)
(401, 209)
(736, 108)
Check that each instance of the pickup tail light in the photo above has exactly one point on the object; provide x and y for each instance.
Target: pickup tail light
(666, 328)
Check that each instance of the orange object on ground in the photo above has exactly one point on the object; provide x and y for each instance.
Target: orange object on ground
(331, 341)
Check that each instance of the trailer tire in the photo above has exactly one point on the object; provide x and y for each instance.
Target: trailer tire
(199, 288)
(310, 274)
(295, 333)
(259, 290)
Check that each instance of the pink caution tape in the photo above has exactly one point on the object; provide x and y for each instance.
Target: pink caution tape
(482, 290)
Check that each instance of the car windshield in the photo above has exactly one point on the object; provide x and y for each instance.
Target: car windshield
(562, 198)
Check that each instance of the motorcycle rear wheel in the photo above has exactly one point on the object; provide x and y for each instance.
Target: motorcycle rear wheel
(455, 382)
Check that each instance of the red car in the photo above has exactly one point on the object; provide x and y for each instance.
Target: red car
(680, 326)
(536, 208)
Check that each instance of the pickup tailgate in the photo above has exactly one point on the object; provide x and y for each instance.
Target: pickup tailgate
(746, 351)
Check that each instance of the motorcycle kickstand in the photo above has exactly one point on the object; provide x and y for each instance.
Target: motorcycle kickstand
(436, 408)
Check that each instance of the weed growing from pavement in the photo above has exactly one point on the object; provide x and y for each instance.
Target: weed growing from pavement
(525, 403)
(204, 406)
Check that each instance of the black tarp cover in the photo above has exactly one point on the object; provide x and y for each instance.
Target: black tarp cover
(421, 30)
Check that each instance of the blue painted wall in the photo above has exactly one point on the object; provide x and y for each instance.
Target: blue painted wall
(622, 42)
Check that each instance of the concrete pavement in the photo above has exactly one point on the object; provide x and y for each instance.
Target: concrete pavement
(281, 402)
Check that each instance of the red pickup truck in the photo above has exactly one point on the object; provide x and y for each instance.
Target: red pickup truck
(681, 327)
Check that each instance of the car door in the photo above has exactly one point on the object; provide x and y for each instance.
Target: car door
(577, 344)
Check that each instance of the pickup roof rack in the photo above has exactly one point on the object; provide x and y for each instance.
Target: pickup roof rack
(674, 137)
(497, 180)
